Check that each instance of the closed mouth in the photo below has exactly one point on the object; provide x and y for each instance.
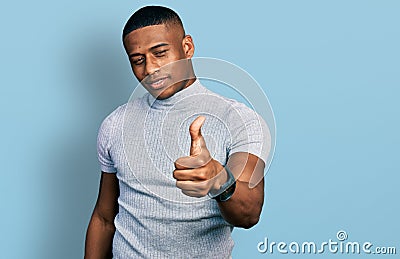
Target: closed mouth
(157, 83)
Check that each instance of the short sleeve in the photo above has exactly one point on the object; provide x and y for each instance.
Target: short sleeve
(250, 134)
(103, 147)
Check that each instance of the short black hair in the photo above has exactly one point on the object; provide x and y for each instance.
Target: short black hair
(151, 15)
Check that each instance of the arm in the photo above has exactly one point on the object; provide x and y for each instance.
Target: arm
(199, 173)
(243, 209)
(101, 227)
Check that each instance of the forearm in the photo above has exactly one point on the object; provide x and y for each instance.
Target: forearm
(243, 209)
(99, 238)
(199, 175)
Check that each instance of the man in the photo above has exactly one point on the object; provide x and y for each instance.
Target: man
(165, 154)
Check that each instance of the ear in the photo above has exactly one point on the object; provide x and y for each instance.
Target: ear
(188, 46)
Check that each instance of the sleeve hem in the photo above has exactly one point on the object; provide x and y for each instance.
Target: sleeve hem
(245, 150)
(107, 169)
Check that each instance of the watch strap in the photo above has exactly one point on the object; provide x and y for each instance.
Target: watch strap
(226, 189)
(227, 194)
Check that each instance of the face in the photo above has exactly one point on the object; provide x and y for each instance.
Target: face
(151, 49)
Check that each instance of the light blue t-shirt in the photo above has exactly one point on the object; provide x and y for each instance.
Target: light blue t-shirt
(140, 141)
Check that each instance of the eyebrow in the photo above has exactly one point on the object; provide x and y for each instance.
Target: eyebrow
(152, 48)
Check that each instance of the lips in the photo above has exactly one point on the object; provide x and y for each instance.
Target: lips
(157, 83)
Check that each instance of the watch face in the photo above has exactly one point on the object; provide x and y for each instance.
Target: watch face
(227, 194)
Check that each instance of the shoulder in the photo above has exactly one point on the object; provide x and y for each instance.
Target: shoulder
(233, 110)
(247, 129)
(114, 118)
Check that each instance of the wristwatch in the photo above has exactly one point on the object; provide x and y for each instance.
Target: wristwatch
(227, 189)
(227, 194)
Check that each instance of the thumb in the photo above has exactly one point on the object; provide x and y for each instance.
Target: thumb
(195, 135)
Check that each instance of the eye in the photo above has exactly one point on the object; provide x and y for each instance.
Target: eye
(160, 53)
(138, 61)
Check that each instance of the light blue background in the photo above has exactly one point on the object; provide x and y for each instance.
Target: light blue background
(329, 68)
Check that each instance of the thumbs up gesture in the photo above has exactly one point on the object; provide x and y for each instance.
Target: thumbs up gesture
(198, 173)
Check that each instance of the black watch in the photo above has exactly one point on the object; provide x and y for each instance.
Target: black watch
(227, 189)
(227, 194)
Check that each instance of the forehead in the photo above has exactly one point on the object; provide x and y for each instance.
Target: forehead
(149, 36)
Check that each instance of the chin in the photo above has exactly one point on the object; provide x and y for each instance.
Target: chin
(162, 96)
(165, 94)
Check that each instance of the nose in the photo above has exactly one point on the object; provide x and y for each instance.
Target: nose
(151, 66)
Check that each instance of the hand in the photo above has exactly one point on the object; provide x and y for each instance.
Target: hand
(198, 173)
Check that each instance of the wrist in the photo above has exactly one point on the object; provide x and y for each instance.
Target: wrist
(227, 194)
(224, 187)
